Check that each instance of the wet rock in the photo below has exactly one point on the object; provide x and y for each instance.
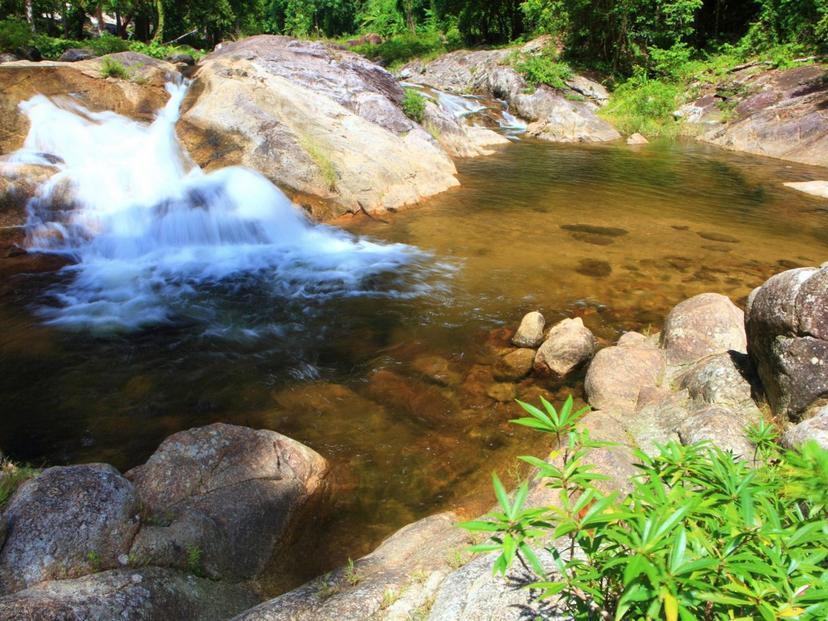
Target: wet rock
(320, 122)
(502, 392)
(551, 115)
(67, 522)
(718, 237)
(437, 369)
(416, 399)
(722, 426)
(609, 231)
(147, 593)
(568, 344)
(233, 493)
(75, 54)
(816, 188)
(458, 138)
(617, 374)
(530, 331)
(138, 98)
(594, 268)
(814, 429)
(408, 566)
(181, 59)
(704, 325)
(787, 327)
(636, 139)
(515, 365)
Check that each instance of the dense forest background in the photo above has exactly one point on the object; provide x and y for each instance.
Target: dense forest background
(616, 34)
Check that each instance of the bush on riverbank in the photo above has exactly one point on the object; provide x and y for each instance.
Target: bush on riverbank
(701, 535)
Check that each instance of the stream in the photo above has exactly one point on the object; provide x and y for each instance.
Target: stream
(209, 298)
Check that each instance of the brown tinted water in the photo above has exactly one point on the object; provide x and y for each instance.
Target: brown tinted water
(613, 234)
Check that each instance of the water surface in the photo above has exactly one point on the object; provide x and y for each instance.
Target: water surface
(613, 234)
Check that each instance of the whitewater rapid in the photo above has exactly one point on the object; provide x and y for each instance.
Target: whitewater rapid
(157, 240)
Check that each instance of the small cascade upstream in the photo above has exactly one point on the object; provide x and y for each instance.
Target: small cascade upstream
(158, 240)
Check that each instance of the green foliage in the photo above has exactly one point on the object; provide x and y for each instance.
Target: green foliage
(544, 69)
(414, 105)
(402, 48)
(700, 536)
(643, 105)
(14, 34)
(194, 565)
(111, 68)
(11, 477)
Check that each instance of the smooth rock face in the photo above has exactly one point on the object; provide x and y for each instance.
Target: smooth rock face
(787, 328)
(720, 379)
(551, 115)
(232, 492)
(136, 594)
(318, 121)
(704, 325)
(617, 374)
(721, 426)
(67, 522)
(457, 138)
(637, 139)
(530, 330)
(815, 429)
(568, 344)
(778, 113)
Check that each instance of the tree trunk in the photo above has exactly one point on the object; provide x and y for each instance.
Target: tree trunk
(99, 17)
(158, 37)
(30, 15)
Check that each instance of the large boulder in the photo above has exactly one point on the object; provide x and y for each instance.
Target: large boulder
(232, 494)
(568, 344)
(139, 96)
(814, 429)
(778, 113)
(787, 328)
(617, 374)
(146, 594)
(458, 138)
(67, 522)
(704, 325)
(320, 122)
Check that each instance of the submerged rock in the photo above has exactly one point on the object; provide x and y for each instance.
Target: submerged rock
(530, 330)
(318, 121)
(67, 522)
(568, 344)
(515, 365)
(232, 493)
(787, 331)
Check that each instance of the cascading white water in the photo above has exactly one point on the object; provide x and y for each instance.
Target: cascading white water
(152, 234)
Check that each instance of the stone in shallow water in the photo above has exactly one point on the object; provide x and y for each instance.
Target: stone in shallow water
(595, 240)
(530, 331)
(436, 369)
(515, 365)
(568, 344)
(609, 231)
(502, 392)
(817, 188)
(594, 268)
(719, 237)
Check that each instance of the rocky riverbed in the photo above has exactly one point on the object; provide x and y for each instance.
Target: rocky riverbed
(188, 534)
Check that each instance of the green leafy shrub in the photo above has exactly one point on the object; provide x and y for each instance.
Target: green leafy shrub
(111, 68)
(701, 536)
(106, 44)
(414, 105)
(544, 69)
(643, 105)
(14, 33)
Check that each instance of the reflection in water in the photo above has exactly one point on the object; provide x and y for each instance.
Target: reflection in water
(354, 377)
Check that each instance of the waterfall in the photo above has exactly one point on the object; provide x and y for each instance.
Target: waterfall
(155, 239)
